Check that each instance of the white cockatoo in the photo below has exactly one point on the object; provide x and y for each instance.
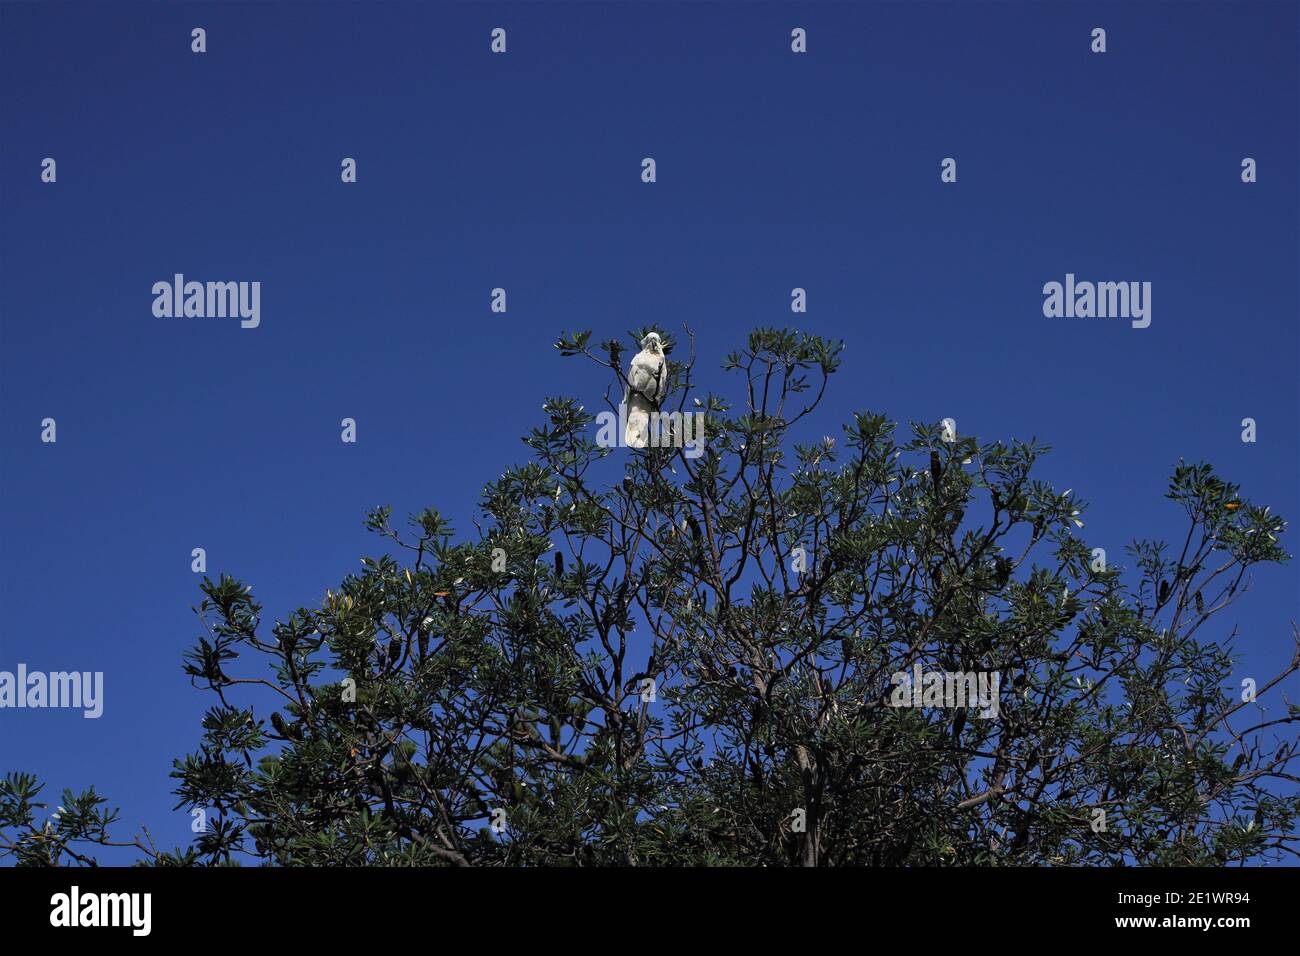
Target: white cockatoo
(647, 383)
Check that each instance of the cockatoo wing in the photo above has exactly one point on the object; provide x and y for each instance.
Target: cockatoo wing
(642, 375)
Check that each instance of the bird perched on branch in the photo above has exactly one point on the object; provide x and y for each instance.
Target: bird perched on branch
(647, 384)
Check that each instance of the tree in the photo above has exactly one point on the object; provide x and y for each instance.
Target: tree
(644, 657)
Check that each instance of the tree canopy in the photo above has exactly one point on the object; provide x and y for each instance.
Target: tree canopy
(644, 657)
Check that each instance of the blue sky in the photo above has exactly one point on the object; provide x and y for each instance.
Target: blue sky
(522, 171)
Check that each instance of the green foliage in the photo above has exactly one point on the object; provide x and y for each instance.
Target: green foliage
(461, 675)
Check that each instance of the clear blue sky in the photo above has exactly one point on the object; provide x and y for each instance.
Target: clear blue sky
(523, 171)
